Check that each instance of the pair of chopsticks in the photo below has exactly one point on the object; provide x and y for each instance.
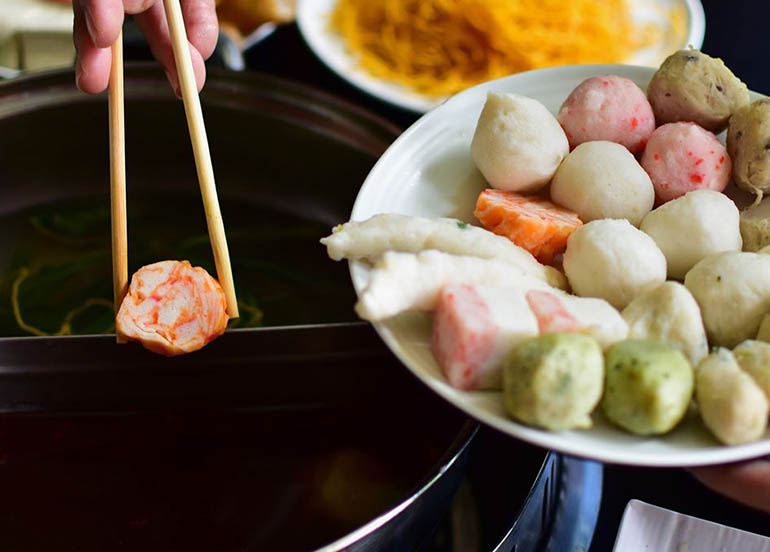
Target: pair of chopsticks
(201, 153)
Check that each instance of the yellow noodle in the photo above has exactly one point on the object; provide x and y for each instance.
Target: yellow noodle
(439, 47)
(66, 325)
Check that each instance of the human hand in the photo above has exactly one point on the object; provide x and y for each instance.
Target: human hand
(98, 22)
(748, 482)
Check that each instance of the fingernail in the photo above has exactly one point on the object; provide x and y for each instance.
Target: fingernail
(78, 74)
(174, 85)
(89, 22)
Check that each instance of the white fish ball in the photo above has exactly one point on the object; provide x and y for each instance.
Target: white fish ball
(603, 180)
(691, 227)
(518, 144)
(613, 260)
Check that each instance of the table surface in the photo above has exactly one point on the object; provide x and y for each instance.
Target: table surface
(735, 31)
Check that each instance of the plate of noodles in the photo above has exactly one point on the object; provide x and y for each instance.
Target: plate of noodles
(416, 53)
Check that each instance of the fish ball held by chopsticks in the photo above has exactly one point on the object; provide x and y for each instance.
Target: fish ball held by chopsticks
(172, 308)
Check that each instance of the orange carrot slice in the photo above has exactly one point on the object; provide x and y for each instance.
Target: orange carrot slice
(536, 224)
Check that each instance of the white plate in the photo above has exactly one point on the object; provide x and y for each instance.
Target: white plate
(428, 171)
(313, 20)
(646, 527)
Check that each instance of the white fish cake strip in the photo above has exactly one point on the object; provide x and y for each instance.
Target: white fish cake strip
(412, 281)
(371, 238)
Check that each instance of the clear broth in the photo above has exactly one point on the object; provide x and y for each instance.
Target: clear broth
(55, 262)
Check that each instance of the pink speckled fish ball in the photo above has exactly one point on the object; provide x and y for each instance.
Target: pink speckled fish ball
(681, 157)
(610, 108)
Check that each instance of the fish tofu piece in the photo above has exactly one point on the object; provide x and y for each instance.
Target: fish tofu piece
(681, 157)
(733, 292)
(670, 314)
(733, 407)
(407, 281)
(476, 327)
(607, 107)
(518, 143)
(692, 86)
(693, 226)
(370, 238)
(474, 330)
(172, 308)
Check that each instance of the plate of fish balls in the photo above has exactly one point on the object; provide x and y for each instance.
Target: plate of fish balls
(579, 256)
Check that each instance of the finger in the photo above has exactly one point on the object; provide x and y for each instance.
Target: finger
(103, 18)
(92, 67)
(155, 29)
(748, 483)
(138, 6)
(200, 20)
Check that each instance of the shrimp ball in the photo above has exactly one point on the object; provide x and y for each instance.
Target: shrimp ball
(517, 144)
(554, 381)
(612, 260)
(648, 385)
(610, 108)
(692, 86)
(733, 292)
(603, 180)
(681, 157)
(731, 404)
(693, 226)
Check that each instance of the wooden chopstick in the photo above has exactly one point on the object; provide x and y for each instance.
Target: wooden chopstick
(201, 152)
(118, 178)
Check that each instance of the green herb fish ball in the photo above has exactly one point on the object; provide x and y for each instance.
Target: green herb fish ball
(648, 386)
(554, 381)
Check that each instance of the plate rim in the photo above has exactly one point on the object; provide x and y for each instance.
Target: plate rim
(410, 100)
(718, 454)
